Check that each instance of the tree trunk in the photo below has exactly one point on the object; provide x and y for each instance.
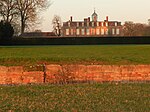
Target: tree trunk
(22, 25)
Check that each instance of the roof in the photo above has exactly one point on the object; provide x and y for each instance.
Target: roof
(38, 34)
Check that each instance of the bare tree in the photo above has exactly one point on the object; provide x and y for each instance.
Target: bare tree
(128, 28)
(139, 29)
(56, 22)
(28, 11)
(9, 14)
(133, 29)
(8, 10)
(146, 31)
(148, 22)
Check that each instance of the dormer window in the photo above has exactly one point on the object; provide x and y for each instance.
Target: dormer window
(77, 24)
(69, 24)
(82, 24)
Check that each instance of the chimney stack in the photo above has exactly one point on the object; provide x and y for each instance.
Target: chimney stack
(85, 20)
(71, 18)
(106, 18)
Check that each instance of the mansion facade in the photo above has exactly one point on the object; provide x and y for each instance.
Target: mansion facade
(91, 27)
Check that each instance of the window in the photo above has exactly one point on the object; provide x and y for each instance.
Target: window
(82, 24)
(83, 32)
(97, 23)
(93, 24)
(115, 23)
(77, 24)
(71, 31)
(113, 31)
(102, 24)
(67, 31)
(69, 24)
(78, 31)
(87, 31)
(106, 23)
(102, 31)
(93, 31)
(106, 31)
(97, 31)
(88, 24)
(118, 31)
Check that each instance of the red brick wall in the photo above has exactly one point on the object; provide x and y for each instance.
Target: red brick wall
(66, 73)
(3, 72)
(16, 75)
(100, 73)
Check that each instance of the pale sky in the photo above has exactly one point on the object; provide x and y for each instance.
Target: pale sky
(120, 10)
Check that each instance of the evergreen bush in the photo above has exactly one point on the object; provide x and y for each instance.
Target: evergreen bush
(6, 30)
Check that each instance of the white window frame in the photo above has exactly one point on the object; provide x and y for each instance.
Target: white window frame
(102, 24)
(97, 31)
(88, 24)
(93, 31)
(83, 24)
(83, 31)
(92, 24)
(113, 31)
(78, 32)
(106, 23)
(77, 24)
(87, 31)
(106, 32)
(102, 31)
(115, 23)
(72, 31)
(69, 24)
(67, 31)
(97, 23)
(117, 31)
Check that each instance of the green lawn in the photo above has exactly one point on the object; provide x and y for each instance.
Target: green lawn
(100, 54)
(76, 98)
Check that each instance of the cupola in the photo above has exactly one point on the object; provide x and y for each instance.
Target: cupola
(94, 16)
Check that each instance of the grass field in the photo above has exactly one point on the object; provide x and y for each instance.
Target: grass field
(107, 54)
(76, 98)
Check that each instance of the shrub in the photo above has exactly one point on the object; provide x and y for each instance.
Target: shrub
(6, 30)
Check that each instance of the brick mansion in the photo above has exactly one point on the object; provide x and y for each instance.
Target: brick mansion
(93, 27)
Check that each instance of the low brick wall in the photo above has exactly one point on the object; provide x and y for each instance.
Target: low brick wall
(17, 75)
(75, 73)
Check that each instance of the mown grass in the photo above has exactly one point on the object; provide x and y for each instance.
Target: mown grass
(98, 54)
(76, 98)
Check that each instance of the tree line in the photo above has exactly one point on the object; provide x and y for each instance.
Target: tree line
(21, 14)
(136, 29)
